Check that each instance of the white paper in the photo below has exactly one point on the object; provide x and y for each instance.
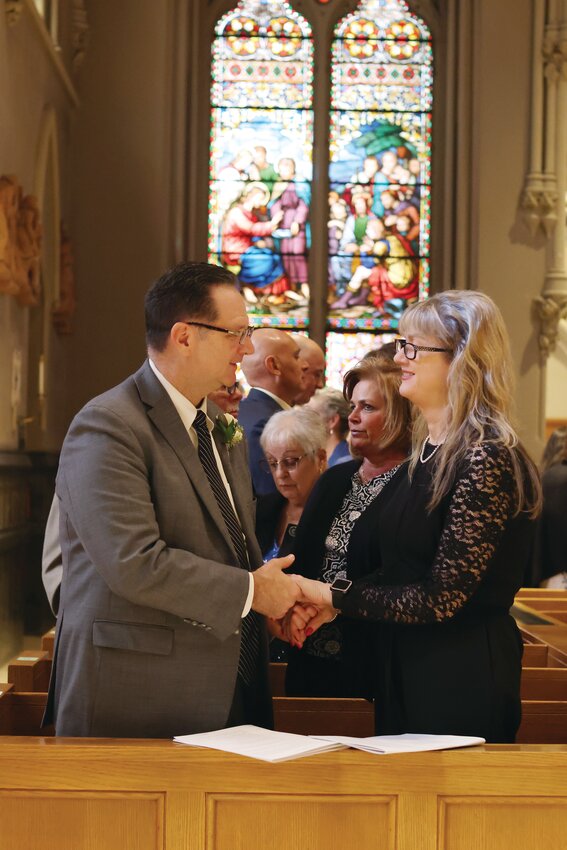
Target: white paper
(408, 743)
(258, 743)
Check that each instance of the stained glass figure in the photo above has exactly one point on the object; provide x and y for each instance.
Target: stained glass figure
(344, 350)
(380, 156)
(261, 157)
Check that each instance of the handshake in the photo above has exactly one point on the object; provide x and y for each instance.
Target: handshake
(296, 606)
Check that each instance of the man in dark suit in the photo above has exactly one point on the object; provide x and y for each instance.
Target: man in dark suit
(275, 373)
(154, 637)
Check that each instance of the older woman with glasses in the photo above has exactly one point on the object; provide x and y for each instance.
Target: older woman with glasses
(335, 661)
(446, 552)
(293, 442)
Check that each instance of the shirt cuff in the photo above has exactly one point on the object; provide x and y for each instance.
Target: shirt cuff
(250, 597)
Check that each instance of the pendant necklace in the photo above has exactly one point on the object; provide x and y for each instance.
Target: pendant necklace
(425, 442)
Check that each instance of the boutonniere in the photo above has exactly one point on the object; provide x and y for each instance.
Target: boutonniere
(231, 433)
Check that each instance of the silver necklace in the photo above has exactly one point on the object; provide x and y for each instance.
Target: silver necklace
(425, 442)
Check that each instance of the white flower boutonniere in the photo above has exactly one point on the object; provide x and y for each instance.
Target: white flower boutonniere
(231, 433)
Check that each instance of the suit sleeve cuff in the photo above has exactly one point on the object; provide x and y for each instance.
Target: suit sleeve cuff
(249, 598)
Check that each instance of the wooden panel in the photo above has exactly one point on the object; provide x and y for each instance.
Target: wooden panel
(483, 823)
(282, 822)
(72, 821)
(27, 713)
(547, 604)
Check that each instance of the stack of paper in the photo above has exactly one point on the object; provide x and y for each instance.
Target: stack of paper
(408, 743)
(258, 743)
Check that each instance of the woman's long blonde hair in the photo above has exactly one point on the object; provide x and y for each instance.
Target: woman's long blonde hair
(480, 387)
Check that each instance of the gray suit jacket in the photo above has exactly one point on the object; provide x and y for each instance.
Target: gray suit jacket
(148, 634)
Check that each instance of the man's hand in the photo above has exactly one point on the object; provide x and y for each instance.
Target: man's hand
(274, 592)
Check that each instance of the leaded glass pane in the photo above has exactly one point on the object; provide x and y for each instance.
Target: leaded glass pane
(380, 166)
(261, 157)
(344, 350)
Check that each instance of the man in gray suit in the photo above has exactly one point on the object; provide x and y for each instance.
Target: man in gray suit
(154, 624)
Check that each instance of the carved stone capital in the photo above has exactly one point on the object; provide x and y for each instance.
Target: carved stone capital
(13, 10)
(538, 204)
(549, 308)
(554, 51)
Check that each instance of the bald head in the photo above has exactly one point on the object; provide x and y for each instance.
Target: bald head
(275, 365)
(313, 359)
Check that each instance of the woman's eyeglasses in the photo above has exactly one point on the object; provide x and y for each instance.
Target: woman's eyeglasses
(287, 463)
(410, 350)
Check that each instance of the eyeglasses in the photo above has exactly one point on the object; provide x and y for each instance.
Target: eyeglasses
(410, 350)
(241, 335)
(287, 463)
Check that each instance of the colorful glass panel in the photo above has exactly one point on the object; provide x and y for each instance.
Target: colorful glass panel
(261, 157)
(344, 350)
(380, 166)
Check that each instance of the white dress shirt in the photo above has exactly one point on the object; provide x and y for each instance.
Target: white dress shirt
(187, 413)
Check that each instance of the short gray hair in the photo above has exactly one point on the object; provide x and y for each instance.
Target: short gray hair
(300, 425)
(329, 402)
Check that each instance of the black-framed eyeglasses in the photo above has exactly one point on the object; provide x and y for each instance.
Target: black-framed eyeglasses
(410, 350)
(241, 335)
(287, 463)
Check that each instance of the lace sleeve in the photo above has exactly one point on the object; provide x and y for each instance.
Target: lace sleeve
(481, 504)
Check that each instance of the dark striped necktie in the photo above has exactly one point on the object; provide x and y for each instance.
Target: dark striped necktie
(250, 644)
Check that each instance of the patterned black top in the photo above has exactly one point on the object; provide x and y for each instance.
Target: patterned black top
(327, 641)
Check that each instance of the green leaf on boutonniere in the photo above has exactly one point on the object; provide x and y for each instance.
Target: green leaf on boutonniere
(231, 433)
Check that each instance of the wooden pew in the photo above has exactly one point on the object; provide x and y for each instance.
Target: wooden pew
(314, 716)
(543, 722)
(21, 713)
(30, 671)
(48, 641)
(544, 683)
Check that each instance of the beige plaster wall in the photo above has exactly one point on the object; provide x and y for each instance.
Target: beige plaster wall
(507, 264)
(120, 192)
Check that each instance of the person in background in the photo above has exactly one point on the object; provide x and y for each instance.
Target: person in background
(447, 550)
(336, 661)
(550, 562)
(334, 410)
(313, 359)
(294, 445)
(275, 373)
(228, 398)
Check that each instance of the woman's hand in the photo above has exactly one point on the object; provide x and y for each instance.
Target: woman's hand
(296, 621)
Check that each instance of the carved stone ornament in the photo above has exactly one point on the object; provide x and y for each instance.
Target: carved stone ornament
(555, 57)
(20, 243)
(549, 309)
(79, 33)
(64, 308)
(29, 250)
(13, 10)
(539, 206)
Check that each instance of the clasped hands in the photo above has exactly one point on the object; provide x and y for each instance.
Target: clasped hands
(294, 605)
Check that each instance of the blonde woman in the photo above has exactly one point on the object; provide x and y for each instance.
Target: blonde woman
(449, 547)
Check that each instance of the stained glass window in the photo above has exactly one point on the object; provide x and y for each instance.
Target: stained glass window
(261, 157)
(344, 350)
(380, 155)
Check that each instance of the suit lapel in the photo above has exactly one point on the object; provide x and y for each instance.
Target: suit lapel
(164, 416)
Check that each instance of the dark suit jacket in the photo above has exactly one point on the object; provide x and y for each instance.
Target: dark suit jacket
(255, 410)
(148, 635)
